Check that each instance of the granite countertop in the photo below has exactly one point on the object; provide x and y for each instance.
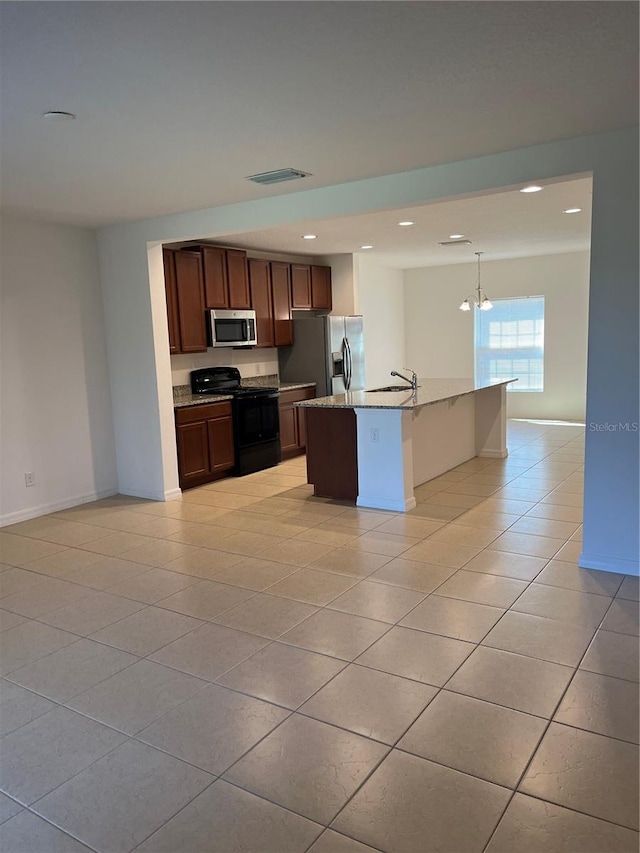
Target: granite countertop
(294, 386)
(429, 391)
(186, 398)
(182, 395)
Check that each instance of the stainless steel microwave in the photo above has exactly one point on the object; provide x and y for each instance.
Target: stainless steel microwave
(229, 328)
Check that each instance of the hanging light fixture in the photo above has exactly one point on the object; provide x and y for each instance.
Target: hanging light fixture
(481, 300)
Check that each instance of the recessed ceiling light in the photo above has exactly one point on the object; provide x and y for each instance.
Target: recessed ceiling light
(573, 210)
(58, 115)
(455, 236)
(309, 236)
(407, 222)
(366, 247)
(531, 189)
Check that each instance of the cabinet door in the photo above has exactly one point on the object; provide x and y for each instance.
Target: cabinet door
(193, 452)
(281, 290)
(216, 287)
(300, 286)
(171, 295)
(221, 451)
(237, 278)
(193, 335)
(321, 287)
(260, 284)
(288, 429)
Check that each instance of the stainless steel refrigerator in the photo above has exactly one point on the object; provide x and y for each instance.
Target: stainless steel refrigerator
(328, 351)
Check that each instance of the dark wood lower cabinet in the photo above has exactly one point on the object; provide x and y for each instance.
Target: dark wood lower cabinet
(292, 421)
(332, 453)
(193, 451)
(288, 431)
(204, 436)
(221, 450)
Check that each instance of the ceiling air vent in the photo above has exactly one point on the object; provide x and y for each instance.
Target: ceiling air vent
(456, 243)
(278, 176)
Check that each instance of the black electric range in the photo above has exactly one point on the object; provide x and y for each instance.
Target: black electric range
(256, 423)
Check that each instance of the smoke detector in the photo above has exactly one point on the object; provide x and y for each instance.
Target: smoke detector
(277, 176)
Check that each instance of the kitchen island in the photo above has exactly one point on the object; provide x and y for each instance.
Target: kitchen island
(375, 447)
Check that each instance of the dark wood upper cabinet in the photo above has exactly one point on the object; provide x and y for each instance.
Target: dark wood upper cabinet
(216, 286)
(311, 286)
(171, 294)
(300, 286)
(204, 276)
(190, 302)
(238, 280)
(281, 290)
(226, 282)
(261, 301)
(321, 287)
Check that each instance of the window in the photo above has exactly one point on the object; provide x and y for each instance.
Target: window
(509, 342)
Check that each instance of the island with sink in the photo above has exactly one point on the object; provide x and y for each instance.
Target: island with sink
(376, 446)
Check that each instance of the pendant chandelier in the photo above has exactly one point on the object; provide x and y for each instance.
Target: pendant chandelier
(481, 299)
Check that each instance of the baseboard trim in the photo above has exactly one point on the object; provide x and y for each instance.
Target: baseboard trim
(385, 503)
(172, 494)
(609, 564)
(53, 506)
(493, 454)
(150, 494)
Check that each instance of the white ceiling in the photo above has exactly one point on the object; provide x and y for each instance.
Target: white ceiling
(509, 224)
(178, 101)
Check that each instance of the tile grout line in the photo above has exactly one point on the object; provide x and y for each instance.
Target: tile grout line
(327, 607)
(546, 729)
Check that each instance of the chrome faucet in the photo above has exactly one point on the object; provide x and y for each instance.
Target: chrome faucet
(414, 377)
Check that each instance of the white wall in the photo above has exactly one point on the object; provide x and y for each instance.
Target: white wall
(343, 283)
(250, 362)
(440, 336)
(135, 311)
(55, 417)
(380, 300)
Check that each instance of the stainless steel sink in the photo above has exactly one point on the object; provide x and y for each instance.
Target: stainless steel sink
(406, 388)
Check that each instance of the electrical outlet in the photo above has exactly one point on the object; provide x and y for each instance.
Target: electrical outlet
(29, 479)
(375, 435)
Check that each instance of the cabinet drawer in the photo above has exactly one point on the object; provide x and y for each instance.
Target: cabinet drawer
(297, 394)
(204, 412)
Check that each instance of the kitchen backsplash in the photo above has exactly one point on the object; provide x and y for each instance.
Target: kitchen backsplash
(252, 363)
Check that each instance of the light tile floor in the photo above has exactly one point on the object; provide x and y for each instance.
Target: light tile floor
(250, 668)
